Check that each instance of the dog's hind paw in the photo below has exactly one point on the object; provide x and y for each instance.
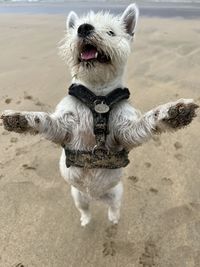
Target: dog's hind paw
(113, 216)
(14, 121)
(85, 219)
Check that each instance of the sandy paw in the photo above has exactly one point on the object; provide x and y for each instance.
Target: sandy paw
(14, 121)
(180, 114)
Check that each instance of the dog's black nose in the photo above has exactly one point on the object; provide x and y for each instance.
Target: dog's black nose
(85, 29)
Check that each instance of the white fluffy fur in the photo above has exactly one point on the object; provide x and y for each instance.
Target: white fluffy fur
(72, 123)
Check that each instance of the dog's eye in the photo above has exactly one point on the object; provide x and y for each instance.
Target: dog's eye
(111, 33)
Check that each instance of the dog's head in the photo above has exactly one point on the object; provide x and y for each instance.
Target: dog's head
(96, 46)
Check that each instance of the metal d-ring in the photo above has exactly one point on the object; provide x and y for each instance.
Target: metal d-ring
(96, 147)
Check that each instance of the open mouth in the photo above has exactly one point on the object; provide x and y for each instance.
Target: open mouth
(91, 53)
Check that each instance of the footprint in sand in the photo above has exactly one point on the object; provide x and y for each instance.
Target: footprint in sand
(19, 265)
(178, 145)
(179, 156)
(111, 231)
(13, 139)
(167, 181)
(134, 179)
(28, 97)
(153, 190)
(147, 164)
(24, 57)
(28, 167)
(8, 100)
(35, 100)
(109, 246)
(148, 258)
(38, 103)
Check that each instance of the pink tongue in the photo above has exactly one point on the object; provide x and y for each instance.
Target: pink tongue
(90, 54)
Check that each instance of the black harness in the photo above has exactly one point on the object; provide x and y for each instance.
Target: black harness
(100, 106)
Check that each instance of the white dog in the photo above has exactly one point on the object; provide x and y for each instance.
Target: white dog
(96, 48)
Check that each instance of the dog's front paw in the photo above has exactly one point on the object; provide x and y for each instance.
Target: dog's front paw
(181, 114)
(14, 121)
(178, 114)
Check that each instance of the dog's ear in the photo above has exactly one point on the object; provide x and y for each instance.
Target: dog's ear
(129, 18)
(71, 20)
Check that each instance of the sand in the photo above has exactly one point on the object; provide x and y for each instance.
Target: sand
(160, 223)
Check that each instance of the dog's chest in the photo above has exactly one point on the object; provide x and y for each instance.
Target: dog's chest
(83, 134)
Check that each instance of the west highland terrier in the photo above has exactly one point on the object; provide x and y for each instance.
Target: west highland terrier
(95, 123)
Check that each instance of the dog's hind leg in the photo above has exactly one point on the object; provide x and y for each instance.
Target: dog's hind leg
(82, 203)
(113, 199)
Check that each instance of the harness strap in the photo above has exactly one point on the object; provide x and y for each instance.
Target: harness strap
(100, 107)
(97, 159)
(89, 98)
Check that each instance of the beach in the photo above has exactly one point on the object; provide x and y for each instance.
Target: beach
(160, 217)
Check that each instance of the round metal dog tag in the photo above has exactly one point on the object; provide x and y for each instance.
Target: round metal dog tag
(101, 108)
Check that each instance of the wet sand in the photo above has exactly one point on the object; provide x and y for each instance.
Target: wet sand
(160, 224)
